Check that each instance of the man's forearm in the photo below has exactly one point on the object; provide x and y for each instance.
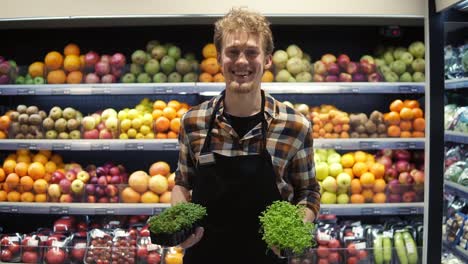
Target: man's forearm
(309, 215)
(179, 194)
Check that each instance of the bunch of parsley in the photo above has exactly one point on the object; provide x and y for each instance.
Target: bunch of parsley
(176, 218)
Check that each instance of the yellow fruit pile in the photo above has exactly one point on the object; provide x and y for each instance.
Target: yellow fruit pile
(152, 187)
(25, 176)
(329, 122)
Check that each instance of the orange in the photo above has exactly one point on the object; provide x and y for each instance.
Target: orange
(205, 77)
(396, 105)
(56, 77)
(36, 69)
(359, 168)
(40, 186)
(40, 158)
(46, 152)
(356, 187)
(165, 197)
(347, 160)
(3, 196)
(21, 169)
(2, 175)
(2, 135)
(129, 195)
(406, 125)
(174, 104)
(368, 194)
(172, 135)
(392, 118)
(13, 196)
(417, 112)
(27, 197)
(57, 159)
(411, 104)
(12, 180)
(82, 60)
(182, 111)
(360, 156)
(169, 112)
(161, 135)
(75, 77)
(357, 199)
(72, 63)
(53, 60)
(157, 113)
(26, 158)
(268, 76)
(71, 49)
(405, 134)
(378, 170)
(36, 170)
(184, 105)
(393, 131)
(162, 124)
(209, 51)
(22, 152)
(9, 166)
(349, 171)
(160, 167)
(40, 198)
(149, 197)
(219, 77)
(159, 104)
(406, 113)
(367, 180)
(26, 183)
(419, 124)
(50, 167)
(417, 134)
(47, 177)
(379, 185)
(210, 65)
(344, 134)
(379, 198)
(175, 125)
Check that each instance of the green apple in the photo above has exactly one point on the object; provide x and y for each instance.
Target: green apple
(333, 158)
(342, 198)
(329, 184)
(343, 180)
(321, 170)
(335, 169)
(406, 77)
(419, 77)
(328, 198)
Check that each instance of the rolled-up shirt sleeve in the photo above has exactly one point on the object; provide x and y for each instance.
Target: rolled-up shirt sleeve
(185, 166)
(302, 176)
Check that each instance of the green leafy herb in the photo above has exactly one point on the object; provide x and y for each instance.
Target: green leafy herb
(176, 218)
(283, 227)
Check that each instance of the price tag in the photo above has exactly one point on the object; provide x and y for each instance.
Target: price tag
(58, 91)
(33, 147)
(404, 88)
(361, 245)
(98, 233)
(105, 147)
(170, 146)
(152, 247)
(134, 146)
(104, 211)
(13, 239)
(80, 245)
(325, 211)
(4, 209)
(61, 147)
(323, 236)
(355, 90)
(367, 211)
(25, 91)
(120, 233)
(13, 209)
(59, 210)
(56, 243)
(43, 238)
(411, 145)
(402, 145)
(157, 210)
(33, 242)
(22, 146)
(403, 211)
(364, 144)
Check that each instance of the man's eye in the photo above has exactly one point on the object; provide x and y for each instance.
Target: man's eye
(251, 53)
(233, 52)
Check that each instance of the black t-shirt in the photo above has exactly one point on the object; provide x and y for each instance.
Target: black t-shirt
(242, 125)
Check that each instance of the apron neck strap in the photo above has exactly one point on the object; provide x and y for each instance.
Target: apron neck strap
(207, 142)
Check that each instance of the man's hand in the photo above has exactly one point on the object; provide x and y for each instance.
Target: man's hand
(193, 239)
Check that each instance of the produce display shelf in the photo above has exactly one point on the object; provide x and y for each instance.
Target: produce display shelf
(457, 250)
(209, 88)
(456, 83)
(457, 137)
(173, 145)
(456, 189)
(150, 209)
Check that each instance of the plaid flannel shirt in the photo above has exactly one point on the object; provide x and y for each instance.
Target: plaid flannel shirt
(289, 143)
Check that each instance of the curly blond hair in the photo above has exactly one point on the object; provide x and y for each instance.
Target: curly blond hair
(244, 20)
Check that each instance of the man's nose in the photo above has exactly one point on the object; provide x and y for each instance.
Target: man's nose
(241, 58)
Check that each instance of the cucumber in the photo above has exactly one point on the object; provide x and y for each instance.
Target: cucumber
(378, 254)
(411, 248)
(387, 250)
(400, 248)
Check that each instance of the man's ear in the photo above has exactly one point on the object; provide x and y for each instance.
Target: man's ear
(268, 62)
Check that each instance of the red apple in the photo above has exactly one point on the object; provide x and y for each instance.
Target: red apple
(362, 254)
(106, 58)
(351, 248)
(30, 257)
(111, 190)
(334, 244)
(118, 60)
(91, 199)
(142, 251)
(65, 184)
(320, 68)
(78, 251)
(55, 256)
(103, 200)
(343, 61)
(57, 176)
(352, 260)
(352, 68)
(70, 175)
(359, 77)
(91, 134)
(334, 258)
(318, 78)
(117, 72)
(345, 77)
(105, 134)
(323, 251)
(153, 258)
(333, 69)
(91, 58)
(102, 68)
(14, 248)
(108, 78)
(92, 78)
(331, 78)
(394, 198)
(6, 255)
(367, 67)
(375, 77)
(409, 197)
(114, 199)
(323, 261)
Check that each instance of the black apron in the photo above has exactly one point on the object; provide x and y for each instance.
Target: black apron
(235, 190)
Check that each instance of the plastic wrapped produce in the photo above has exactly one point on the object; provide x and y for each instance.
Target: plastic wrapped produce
(463, 179)
(454, 171)
(449, 114)
(453, 67)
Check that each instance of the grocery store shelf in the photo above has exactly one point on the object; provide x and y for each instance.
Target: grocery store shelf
(150, 209)
(324, 88)
(82, 208)
(370, 143)
(208, 88)
(172, 144)
(457, 250)
(373, 209)
(456, 83)
(457, 137)
(456, 189)
(90, 144)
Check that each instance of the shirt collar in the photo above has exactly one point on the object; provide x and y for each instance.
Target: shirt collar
(270, 106)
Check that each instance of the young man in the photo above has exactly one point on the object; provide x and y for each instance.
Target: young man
(242, 150)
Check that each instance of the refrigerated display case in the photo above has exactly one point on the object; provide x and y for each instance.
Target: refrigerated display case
(342, 28)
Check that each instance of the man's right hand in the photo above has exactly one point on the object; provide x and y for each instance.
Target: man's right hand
(193, 239)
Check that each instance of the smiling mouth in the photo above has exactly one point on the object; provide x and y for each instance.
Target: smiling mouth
(241, 74)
